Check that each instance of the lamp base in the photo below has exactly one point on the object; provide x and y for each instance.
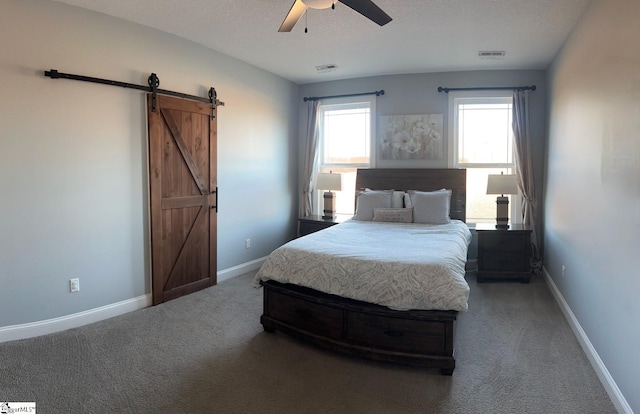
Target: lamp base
(329, 212)
(502, 212)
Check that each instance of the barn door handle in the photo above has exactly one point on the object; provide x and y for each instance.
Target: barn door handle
(216, 193)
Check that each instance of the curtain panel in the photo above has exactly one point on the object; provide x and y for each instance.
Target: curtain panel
(522, 144)
(309, 172)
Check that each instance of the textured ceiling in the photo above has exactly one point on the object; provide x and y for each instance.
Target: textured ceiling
(424, 36)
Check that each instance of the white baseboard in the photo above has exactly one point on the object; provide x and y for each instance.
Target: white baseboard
(605, 377)
(240, 269)
(33, 329)
(30, 330)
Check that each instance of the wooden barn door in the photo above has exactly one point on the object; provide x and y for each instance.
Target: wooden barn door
(183, 196)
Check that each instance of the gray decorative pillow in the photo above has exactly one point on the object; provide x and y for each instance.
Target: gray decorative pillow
(397, 199)
(394, 215)
(431, 207)
(407, 196)
(368, 200)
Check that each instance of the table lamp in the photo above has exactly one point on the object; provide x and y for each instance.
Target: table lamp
(329, 182)
(502, 184)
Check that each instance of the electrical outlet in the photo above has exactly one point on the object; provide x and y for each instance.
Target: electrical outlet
(74, 285)
(247, 244)
(563, 269)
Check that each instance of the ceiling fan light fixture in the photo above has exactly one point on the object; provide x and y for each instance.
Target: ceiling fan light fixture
(367, 8)
(319, 4)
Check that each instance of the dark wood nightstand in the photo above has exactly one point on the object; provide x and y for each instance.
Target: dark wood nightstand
(311, 224)
(504, 254)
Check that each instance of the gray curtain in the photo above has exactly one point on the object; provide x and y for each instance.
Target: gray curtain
(522, 144)
(310, 159)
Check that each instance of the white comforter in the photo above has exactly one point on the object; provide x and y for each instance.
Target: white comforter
(401, 266)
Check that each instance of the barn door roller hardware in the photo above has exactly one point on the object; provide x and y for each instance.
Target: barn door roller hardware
(153, 83)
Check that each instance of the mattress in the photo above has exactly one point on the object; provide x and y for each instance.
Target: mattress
(401, 266)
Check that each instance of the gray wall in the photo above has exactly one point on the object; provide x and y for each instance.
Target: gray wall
(418, 94)
(593, 184)
(73, 167)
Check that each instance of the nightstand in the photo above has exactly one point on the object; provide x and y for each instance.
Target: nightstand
(311, 224)
(504, 254)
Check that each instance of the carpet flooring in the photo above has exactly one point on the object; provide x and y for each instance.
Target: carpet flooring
(207, 353)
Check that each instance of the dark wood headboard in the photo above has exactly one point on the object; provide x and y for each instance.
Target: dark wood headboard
(421, 179)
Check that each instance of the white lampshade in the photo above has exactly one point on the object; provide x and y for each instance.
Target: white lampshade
(319, 4)
(502, 184)
(329, 182)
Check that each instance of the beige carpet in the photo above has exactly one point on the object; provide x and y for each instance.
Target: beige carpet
(207, 353)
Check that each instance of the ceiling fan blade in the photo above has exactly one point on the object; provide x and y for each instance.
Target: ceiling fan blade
(368, 9)
(296, 12)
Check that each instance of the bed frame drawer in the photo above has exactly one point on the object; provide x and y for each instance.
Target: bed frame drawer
(404, 335)
(305, 315)
(419, 338)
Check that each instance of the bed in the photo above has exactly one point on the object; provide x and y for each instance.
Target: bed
(387, 290)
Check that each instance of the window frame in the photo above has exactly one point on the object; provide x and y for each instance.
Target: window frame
(481, 97)
(333, 104)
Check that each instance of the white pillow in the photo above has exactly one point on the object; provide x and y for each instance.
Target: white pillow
(407, 197)
(394, 215)
(397, 199)
(368, 200)
(431, 207)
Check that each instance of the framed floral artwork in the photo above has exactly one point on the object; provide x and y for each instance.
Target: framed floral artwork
(410, 137)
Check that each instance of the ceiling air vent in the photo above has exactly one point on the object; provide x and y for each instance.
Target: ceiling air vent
(491, 54)
(326, 68)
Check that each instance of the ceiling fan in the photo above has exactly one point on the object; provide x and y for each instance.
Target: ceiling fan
(367, 8)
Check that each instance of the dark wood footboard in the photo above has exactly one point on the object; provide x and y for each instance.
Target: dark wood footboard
(416, 337)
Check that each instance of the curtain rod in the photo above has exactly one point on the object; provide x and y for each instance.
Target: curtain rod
(316, 98)
(513, 88)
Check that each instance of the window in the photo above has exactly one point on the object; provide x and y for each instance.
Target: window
(346, 129)
(481, 140)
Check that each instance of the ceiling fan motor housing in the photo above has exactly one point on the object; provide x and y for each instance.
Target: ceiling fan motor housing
(319, 4)
(367, 8)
